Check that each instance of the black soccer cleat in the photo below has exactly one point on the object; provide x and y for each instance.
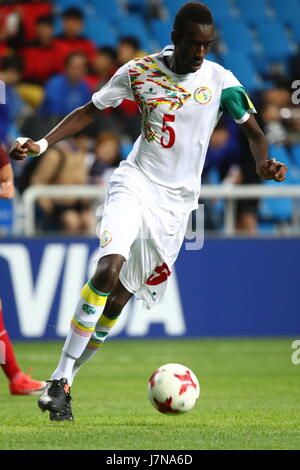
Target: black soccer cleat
(65, 414)
(54, 397)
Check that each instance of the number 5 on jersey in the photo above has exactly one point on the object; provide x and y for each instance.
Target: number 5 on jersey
(167, 141)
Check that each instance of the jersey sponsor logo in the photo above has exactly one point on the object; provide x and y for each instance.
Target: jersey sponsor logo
(106, 238)
(203, 95)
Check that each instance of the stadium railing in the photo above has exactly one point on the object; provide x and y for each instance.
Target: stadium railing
(97, 194)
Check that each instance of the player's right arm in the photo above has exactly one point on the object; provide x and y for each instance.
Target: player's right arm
(112, 94)
(70, 125)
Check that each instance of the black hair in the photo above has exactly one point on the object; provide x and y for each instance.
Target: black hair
(12, 62)
(73, 12)
(46, 19)
(192, 11)
(74, 54)
(107, 50)
(132, 40)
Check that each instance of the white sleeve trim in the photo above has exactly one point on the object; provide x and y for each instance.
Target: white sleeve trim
(243, 118)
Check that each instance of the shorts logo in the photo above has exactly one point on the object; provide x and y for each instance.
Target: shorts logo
(203, 95)
(88, 309)
(106, 238)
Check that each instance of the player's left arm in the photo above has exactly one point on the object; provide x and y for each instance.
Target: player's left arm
(267, 169)
(7, 188)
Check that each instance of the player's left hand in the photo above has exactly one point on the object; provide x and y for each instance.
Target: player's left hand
(272, 170)
(7, 190)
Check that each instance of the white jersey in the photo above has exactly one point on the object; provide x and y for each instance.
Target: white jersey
(179, 114)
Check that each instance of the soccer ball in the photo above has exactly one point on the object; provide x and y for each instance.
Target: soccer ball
(173, 389)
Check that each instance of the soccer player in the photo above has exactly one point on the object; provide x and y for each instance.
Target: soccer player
(19, 383)
(150, 196)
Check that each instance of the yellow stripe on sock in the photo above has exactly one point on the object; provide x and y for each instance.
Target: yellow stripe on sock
(95, 344)
(91, 297)
(106, 322)
(81, 327)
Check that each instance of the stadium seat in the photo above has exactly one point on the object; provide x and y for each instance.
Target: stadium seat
(133, 25)
(244, 70)
(161, 31)
(214, 58)
(100, 31)
(276, 210)
(281, 209)
(62, 5)
(287, 11)
(274, 40)
(109, 10)
(237, 37)
(136, 6)
(296, 154)
(252, 10)
(280, 153)
(294, 25)
(6, 217)
(220, 8)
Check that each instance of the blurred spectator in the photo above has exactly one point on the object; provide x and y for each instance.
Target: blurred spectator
(273, 126)
(65, 163)
(128, 49)
(65, 92)
(40, 55)
(107, 157)
(71, 39)
(281, 117)
(103, 67)
(229, 155)
(13, 107)
(21, 17)
(11, 29)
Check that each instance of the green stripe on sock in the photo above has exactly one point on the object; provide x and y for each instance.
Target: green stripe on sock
(101, 334)
(110, 317)
(103, 294)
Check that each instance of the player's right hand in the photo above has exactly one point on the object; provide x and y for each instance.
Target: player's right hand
(20, 151)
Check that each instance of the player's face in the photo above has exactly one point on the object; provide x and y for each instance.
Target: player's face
(192, 46)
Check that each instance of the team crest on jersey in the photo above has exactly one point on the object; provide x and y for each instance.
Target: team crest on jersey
(106, 238)
(203, 95)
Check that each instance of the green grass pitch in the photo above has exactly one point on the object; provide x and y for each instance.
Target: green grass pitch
(249, 398)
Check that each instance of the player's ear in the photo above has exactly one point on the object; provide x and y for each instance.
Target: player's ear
(174, 37)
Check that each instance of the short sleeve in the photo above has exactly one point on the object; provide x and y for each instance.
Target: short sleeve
(115, 91)
(235, 101)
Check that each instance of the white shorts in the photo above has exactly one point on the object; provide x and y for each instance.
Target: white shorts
(136, 225)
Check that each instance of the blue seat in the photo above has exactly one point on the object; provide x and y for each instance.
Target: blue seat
(62, 5)
(133, 25)
(252, 10)
(137, 6)
(161, 31)
(243, 68)
(107, 9)
(237, 37)
(294, 25)
(100, 31)
(296, 154)
(276, 210)
(6, 217)
(220, 8)
(214, 58)
(274, 40)
(280, 153)
(287, 11)
(281, 209)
